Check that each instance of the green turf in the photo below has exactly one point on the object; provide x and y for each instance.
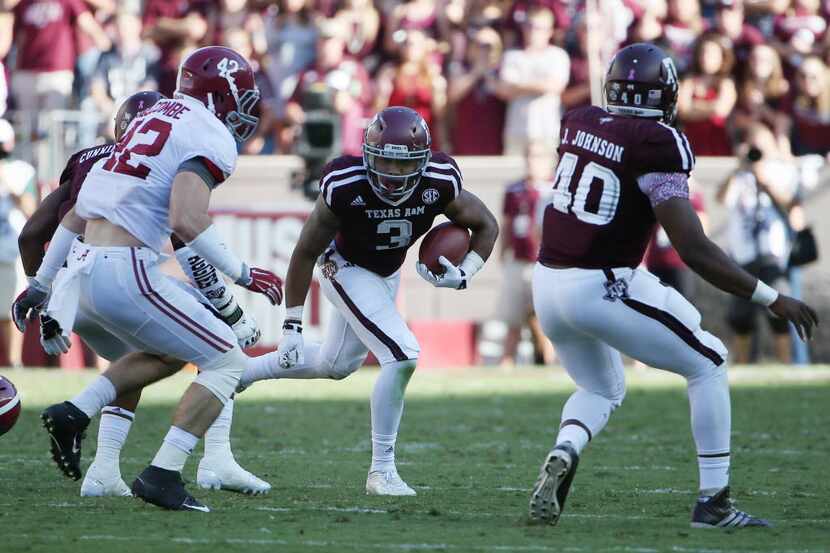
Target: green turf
(470, 444)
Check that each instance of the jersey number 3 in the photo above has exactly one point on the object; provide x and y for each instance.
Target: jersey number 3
(576, 202)
(119, 161)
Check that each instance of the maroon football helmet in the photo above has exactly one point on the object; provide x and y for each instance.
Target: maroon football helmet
(223, 81)
(396, 136)
(131, 107)
(642, 82)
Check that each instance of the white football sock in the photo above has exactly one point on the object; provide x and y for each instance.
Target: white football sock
(112, 434)
(266, 367)
(218, 436)
(711, 415)
(174, 451)
(585, 414)
(383, 452)
(387, 409)
(95, 397)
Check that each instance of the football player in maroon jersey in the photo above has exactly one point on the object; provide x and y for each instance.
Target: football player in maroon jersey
(621, 169)
(369, 212)
(103, 478)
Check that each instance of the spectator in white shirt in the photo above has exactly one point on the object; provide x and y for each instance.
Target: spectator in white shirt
(531, 81)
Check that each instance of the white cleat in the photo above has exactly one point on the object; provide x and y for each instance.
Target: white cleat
(226, 474)
(100, 483)
(387, 483)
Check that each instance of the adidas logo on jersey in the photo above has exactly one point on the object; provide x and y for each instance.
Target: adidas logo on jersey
(358, 201)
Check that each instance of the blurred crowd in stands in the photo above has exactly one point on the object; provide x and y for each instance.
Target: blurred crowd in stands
(488, 75)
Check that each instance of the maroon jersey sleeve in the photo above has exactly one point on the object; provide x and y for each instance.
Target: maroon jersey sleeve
(69, 170)
(337, 175)
(663, 149)
(444, 178)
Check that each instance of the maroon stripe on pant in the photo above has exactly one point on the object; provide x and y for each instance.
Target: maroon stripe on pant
(671, 322)
(159, 303)
(386, 340)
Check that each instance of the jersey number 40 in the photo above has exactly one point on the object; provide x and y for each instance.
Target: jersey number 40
(119, 160)
(576, 203)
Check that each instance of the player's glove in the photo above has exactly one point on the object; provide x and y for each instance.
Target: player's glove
(290, 351)
(453, 277)
(262, 281)
(243, 325)
(29, 301)
(52, 339)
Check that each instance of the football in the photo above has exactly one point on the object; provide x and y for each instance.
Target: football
(447, 239)
(9, 405)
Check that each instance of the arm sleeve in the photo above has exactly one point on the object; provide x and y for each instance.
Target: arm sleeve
(659, 187)
(207, 170)
(663, 149)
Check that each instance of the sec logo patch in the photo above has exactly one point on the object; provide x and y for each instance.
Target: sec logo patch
(430, 196)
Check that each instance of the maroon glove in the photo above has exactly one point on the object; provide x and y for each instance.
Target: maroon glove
(265, 282)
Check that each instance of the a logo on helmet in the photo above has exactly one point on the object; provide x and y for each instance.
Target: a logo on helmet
(430, 196)
(671, 71)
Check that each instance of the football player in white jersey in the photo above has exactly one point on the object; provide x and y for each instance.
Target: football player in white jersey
(157, 181)
(54, 222)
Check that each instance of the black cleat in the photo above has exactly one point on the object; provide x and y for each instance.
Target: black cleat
(718, 512)
(165, 488)
(547, 501)
(66, 424)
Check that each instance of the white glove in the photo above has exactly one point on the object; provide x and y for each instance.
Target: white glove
(453, 277)
(52, 339)
(246, 330)
(291, 349)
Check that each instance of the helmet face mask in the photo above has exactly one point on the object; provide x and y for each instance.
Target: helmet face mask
(396, 152)
(642, 82)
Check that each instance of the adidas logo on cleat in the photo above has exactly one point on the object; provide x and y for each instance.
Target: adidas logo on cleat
(358, 201)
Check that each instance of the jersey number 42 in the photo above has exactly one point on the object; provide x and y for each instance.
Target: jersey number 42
(119, 160)
(576, 203)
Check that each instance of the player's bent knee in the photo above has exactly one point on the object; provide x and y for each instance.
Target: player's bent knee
(342, 371)
(222, 375)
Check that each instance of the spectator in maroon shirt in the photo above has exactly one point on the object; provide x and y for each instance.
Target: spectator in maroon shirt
(520, 238)
(174, 26)
(44, 34)
(761, 97)
(810, 109)
(730, 22)
(478, 113)
(707, 96)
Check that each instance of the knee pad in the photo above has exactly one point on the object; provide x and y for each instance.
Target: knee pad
(222, 376)
(341, 371)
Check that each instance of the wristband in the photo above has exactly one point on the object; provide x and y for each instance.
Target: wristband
(210, 245)
(471, 264)
(293, 319)
(55, 257)
(764, 294)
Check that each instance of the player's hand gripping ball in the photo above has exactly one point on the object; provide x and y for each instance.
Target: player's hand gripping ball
(445, 240)
(9, 405)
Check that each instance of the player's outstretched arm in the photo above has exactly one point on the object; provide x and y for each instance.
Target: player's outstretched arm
(189, 219)
(39, 229)
(704, 257)
(317, 234)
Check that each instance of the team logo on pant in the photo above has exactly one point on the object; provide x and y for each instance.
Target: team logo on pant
(616, 290)
(328, 269)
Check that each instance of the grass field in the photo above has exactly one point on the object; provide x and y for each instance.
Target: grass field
(471, 443)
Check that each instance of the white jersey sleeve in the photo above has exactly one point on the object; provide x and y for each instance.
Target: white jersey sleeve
(132, 187)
